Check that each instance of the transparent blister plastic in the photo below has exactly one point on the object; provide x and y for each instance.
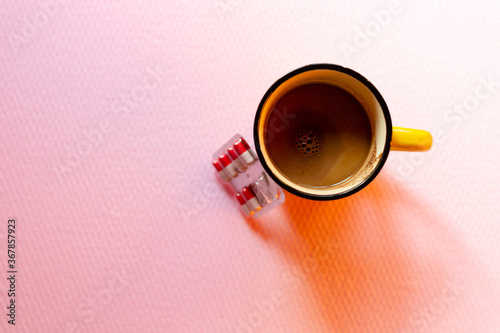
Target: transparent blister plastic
(255, 192)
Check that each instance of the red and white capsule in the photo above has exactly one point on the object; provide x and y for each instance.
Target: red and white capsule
(243, 204)
(244, 151)
(228, 166)
(250, 198)
(236, 160)
(220, 171)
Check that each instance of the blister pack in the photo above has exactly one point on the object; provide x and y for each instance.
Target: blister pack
(255, 192)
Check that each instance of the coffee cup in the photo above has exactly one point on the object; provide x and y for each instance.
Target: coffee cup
(324, 132)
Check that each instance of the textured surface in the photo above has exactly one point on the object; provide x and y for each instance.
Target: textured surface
(111, 110)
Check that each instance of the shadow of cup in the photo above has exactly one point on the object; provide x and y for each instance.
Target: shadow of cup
(354, 260)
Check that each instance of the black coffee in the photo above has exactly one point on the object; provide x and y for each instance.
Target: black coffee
(318, 135)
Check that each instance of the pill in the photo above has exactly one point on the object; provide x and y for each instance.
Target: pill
(245, 144)
(243, 204)
(220, 171)
(264, 190)
(244, 151)
(250, 198)
(228, 166)
(236, 160)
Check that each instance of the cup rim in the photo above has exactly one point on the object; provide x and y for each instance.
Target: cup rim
(380, 100)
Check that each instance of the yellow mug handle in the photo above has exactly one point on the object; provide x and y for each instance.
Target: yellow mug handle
(409, 139)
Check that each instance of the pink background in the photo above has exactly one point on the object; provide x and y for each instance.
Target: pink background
(111, 110)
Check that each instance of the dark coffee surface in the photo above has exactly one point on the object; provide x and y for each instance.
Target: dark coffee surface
(318, 135)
